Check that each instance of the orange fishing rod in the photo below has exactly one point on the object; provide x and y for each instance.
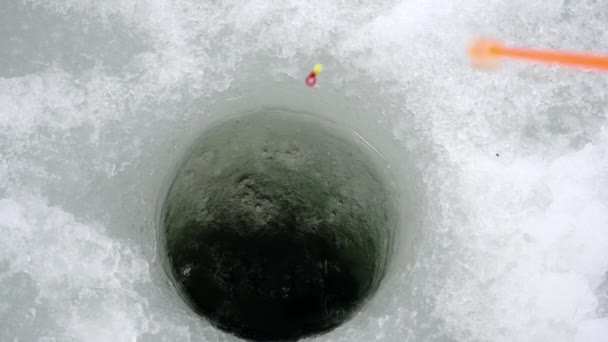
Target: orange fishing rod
(484, 52)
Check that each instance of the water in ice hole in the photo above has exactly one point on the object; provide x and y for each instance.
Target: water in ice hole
(98, 100)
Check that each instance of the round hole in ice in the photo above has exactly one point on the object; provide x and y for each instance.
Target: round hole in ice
(277, 225)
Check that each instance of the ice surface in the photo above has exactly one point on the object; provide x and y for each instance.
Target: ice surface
(99, 98)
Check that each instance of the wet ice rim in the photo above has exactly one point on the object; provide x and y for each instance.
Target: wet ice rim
(79, 126)
(278, 225)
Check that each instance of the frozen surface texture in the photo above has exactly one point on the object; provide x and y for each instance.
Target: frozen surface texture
(97, 98)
